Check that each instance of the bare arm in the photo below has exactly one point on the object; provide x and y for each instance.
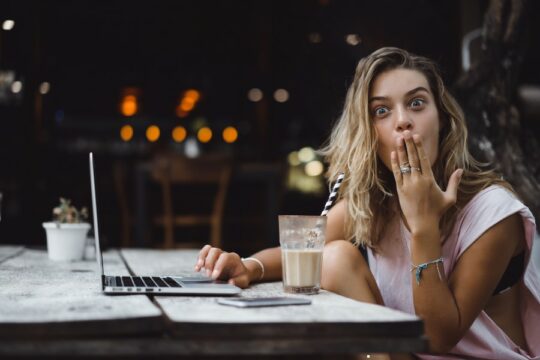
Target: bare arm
(271, 259)
(450, 307)
(228, 265)
(222, 265)
(335, 224)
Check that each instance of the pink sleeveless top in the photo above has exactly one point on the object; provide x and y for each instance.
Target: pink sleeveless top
(484, 339)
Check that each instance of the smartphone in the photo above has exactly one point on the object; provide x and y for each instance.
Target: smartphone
(263, 301)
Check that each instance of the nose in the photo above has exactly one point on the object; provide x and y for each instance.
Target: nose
(403, 120)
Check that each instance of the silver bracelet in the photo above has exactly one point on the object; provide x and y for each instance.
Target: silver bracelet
(258, 262)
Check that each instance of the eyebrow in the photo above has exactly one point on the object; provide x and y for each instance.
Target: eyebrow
(410, 92)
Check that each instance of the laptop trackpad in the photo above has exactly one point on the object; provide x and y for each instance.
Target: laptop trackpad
(192, 279)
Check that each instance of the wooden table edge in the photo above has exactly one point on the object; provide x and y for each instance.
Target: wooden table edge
(167, 346)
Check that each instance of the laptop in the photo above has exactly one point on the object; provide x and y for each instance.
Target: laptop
(161, 285)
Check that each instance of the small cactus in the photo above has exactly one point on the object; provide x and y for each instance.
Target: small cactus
(67, 213)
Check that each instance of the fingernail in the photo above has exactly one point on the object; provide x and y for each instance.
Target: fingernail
(214, 274)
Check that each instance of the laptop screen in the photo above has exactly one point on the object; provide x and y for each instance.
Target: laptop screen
(94, 212)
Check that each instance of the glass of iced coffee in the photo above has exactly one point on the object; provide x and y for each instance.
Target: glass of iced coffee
(302, 240)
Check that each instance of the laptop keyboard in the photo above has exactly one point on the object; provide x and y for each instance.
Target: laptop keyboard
(141, 281)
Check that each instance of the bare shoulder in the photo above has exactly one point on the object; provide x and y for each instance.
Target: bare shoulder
(335, 226)
(494, 248)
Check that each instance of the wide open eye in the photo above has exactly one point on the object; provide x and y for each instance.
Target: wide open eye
(416, 103)
(380, 111)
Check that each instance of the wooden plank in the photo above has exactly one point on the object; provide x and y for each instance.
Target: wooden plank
(9, 251)
(208, 347)
(330, 315)
(44, 298)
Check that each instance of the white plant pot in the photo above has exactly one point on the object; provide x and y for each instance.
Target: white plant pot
(66, 242)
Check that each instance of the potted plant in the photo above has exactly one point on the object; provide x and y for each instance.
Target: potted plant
(66, 234)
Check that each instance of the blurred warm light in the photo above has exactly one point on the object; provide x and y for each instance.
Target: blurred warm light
(298, 180)
(129, 105)
(187, 104)
(314, 168)
(255, 95)
(306, 154)
(353, 39)
(152, 133)
(44, 88)
(193, 94)
(16, 87)
(293, 158)
(305, 171)
(230, 134)
(281, 95)
(8, 25)
(314, 37)
(204, 134)
(126, 132)
(179, 134)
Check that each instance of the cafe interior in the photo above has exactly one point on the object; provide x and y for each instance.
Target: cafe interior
(204, 117)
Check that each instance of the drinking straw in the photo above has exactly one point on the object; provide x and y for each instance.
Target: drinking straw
(313, 235)
(333, 194)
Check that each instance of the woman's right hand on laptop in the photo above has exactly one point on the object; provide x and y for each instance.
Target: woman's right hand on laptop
(222, 265)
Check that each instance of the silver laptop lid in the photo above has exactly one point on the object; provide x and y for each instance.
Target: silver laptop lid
(94, 212)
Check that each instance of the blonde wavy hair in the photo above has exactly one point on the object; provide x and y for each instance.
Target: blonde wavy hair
(369, 187)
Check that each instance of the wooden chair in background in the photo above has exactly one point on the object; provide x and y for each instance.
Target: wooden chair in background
(173, 170)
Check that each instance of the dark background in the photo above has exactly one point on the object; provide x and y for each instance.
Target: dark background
(89, 51)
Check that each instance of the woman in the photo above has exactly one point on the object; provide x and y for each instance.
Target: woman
(458, 258)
